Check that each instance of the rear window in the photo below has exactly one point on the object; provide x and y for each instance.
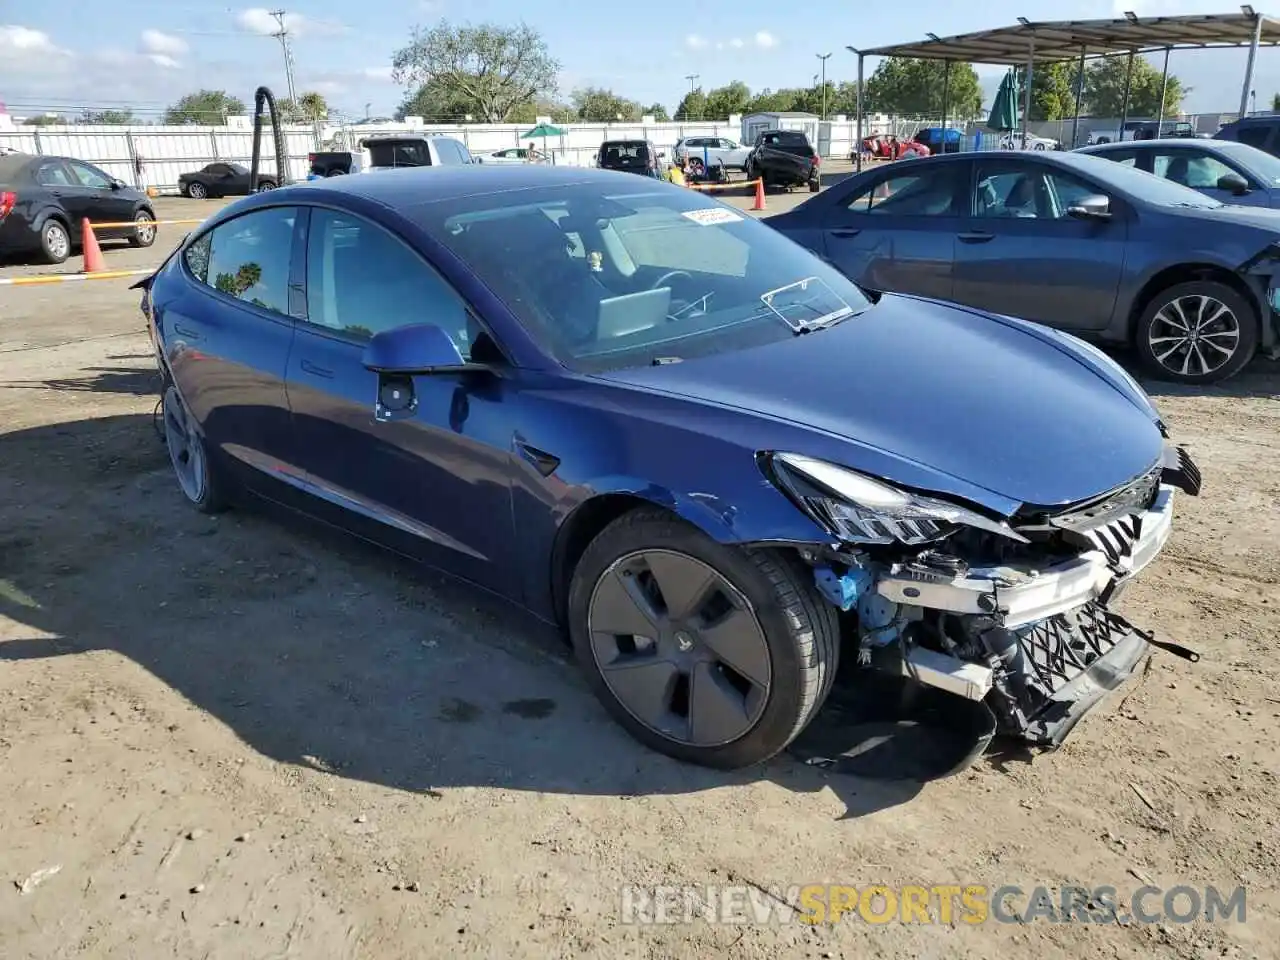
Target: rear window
(398, 153)
(785, 138)
(626, 153)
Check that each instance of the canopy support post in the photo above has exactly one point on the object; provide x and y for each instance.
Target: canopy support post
(857, 147)
(1026, 97)
(1075, 121)
(1164, 88)
(946, 97)
(1128, 81)
(1248, 70)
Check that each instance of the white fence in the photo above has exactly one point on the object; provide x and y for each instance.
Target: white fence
(166, 152)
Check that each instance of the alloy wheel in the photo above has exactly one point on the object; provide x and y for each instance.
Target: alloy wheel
(1194, 336)
(145, 231)
(57, 241)
(196, 191)
(679, 647)
(186, 450)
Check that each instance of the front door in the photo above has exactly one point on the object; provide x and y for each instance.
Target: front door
(897, 233)
(103, 202)
(227, 340)
(437, 485)
(1020, 253)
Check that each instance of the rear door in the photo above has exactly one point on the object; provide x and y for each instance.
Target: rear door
(437, 485)
(1019, 253)
(64, 188)
(227, 340)
(898, 232)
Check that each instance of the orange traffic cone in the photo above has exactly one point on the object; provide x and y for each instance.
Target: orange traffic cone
(759, 194)
(93, 260)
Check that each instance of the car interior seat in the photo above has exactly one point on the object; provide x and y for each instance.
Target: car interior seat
(1178, 171)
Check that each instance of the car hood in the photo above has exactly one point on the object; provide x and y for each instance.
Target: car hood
(966, 394)
(1263, 218)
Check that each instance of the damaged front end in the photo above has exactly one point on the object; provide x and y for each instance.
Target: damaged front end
(1262, 272)
(1013, 612)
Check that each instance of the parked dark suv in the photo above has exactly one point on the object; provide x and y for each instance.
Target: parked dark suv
(1260, 132)
(633, 156)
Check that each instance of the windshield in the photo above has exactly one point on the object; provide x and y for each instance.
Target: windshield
(1141, 185)
(606, 279)
(1259, 162)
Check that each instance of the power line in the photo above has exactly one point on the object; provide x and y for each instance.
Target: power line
(283, 36)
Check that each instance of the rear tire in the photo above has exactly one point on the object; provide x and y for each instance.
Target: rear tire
(55, 241)
(197, 191)
(1196, 322)
(198, 479)
(757, 607)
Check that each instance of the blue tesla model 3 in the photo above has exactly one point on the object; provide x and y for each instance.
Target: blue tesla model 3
(645, 416)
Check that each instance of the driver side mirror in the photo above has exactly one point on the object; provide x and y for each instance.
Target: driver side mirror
(117, 184)
(1233, 183)
(414, 350)
(1093, 207)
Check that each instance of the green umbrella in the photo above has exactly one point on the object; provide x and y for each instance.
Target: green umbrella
(543, 130)
(1004, 111)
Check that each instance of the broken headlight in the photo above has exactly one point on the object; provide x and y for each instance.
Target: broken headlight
(859, 509)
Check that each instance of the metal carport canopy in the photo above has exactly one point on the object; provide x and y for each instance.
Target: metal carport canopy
(1053, 41)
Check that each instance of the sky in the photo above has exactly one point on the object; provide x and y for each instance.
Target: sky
(144, 54)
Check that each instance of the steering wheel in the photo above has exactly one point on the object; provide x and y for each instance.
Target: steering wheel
(670, 275)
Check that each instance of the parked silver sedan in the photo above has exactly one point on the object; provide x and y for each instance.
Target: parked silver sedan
(712, 150)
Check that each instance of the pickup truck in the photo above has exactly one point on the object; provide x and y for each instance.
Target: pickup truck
(332, 163)
(784, 158)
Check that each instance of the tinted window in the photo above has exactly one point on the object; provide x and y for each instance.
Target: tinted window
(1255, 135)
(728, 145)
(1197, 171)
(1138, 183)
(399, 154)
(928, 193)
(217, 169)
(667, 272)
(89, 176)
(1026, 192)
(53, 175)
(248, 258)
(361, 280)
(1127, 158)
(1257, 161)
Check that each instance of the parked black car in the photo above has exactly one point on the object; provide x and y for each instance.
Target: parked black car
(221, 180)
(1067, 240)
(44, 199)
(632, 156)
(784, 158)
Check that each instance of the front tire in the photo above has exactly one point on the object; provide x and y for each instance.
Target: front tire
(199, 482)
(1197, 333)
(144, 233)
(265, 185)
(197, 191)
(710, 654)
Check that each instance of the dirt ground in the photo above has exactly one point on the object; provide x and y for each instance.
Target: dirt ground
(243, 737)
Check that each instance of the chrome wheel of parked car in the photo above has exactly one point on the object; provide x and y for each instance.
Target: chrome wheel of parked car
(1197, 332)
(265, 185)
(187, 454)
(197, 191)
(707, 653)
(55, 241)
(144, 234)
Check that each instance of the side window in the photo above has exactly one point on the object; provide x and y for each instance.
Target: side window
(361, 280)
(1255, 135)
(1017, 192)
(248, 258)
(1126, 158)
(89, 176)
(1196, 171)
(728, 145)
(53, 174)
(463, 153)
(928, 194)
(1068, 192)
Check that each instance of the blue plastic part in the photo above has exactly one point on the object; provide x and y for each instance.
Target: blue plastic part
(877, 617)
(844, 590)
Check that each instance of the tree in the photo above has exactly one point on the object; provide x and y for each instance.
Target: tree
(313, 106)
(487, 69)
(529, 112)
(1053, 91)
(596, 105)
(693, 106)
(44, 120)
(204, 107)
(107, 117)
(1275, 102)
(910, 87)
(434, 100)
(772, 101)
(725, 101)
(1104, 89)
(658, 112)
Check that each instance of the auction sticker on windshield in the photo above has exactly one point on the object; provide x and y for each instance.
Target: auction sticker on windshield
(709, 218)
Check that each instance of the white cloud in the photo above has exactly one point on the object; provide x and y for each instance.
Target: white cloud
(379, 74)
(23, 40)
(153, 41)
(163, 60)
(260, 21)
(766, 40)
(736, 43)
(694, 42)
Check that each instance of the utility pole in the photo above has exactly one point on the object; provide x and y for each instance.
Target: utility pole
(692, 78)
(823, 57)
(282, 35)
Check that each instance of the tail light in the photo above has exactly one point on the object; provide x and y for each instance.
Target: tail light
(311, 159)
(817, 160)
(8, 200)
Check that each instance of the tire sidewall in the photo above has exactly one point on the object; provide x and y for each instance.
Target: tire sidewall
(776, 726)
(137, 238)
(197, 191)
(212, 498)
(51, 224)
(1245, 313)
